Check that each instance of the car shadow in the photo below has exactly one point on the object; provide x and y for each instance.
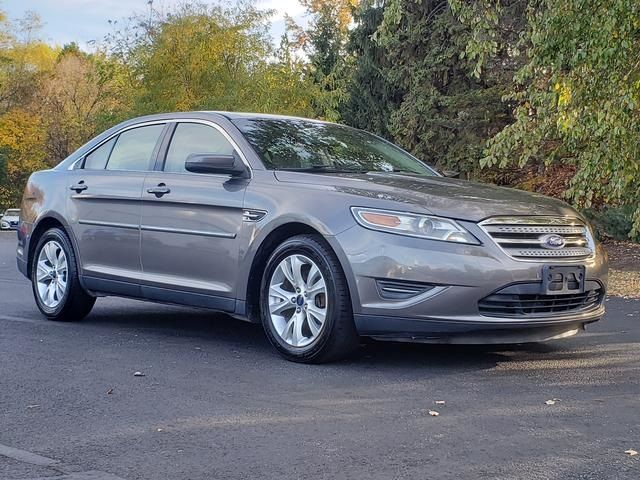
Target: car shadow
(205, 327)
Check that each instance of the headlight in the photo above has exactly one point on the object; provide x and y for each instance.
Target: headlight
(413, 225)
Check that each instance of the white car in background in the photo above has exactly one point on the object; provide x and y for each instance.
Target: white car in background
(9, 220)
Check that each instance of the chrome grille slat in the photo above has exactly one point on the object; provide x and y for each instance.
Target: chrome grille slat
(523, 238)
(534, 229)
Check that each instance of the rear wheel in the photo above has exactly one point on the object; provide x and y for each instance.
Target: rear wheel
(305, 302)
(54, 279)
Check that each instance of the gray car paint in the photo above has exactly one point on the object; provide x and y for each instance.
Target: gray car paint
(193, 246)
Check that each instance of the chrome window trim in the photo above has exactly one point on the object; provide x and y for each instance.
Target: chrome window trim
(542, 220)
(210, 123)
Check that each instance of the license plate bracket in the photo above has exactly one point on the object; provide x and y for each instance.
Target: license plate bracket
(562, 280)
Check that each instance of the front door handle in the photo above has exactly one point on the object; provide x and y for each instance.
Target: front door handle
(79, 187)
(160, 190)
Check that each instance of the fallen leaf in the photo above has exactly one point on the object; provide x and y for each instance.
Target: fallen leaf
(550, 402)
(138, 374)
(439, 402)
(631, 452)
(433, 413)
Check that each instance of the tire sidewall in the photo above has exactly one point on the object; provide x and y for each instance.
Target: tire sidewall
(58, 236)
(308, 249)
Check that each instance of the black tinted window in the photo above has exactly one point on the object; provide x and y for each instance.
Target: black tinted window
(296, 144)
(134, 148)
(97, 159)
(191, 138)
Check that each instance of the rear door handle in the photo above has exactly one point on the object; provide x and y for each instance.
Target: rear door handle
(160, 190)
(79, 187)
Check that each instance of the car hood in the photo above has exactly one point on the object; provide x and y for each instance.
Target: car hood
(440, 196)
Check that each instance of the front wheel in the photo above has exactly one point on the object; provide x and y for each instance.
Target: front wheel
(305, 302)
(54, 278)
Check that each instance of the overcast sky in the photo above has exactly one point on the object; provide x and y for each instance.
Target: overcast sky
(84, 21)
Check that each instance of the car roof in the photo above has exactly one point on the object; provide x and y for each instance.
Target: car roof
(261, 116)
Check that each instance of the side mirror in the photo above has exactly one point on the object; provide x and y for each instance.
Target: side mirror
(215, 163)
(450, 174)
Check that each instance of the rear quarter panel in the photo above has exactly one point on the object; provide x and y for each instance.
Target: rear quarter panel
(44, 197)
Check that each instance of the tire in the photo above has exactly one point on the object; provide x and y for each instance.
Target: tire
(306, 340)
(74, 303)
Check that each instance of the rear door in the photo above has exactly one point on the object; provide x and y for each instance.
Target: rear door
(190, 222)
(104, 205)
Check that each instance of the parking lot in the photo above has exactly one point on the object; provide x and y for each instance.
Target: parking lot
(215, 401)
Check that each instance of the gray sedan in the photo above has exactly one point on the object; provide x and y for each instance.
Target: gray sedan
(321, 232)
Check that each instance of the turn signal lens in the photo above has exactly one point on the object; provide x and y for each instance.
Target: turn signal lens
(382, 220)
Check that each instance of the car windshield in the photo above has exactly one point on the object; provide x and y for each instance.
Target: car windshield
(12, 213)
(306, 145)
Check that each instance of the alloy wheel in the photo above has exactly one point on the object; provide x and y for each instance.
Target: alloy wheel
(52, 274)
(297, 300)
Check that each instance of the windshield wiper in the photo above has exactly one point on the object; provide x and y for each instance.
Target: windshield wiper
(395, 170)
(322, 169)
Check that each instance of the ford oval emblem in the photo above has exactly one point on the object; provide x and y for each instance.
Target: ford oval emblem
(553, 241)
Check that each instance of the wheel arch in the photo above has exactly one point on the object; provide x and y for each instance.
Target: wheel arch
(266, 247)
(45, 222)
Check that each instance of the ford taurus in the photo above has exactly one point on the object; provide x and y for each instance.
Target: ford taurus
(321, 232)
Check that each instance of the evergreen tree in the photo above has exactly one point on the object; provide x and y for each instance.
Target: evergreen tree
(445, 114)
(371, 98)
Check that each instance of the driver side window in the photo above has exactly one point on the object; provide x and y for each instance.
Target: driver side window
(191, 138)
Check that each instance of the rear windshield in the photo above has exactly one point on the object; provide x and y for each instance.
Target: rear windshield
(298, 144)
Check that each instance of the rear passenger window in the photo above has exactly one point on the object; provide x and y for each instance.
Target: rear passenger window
(191, 138)
(97, 159)
(134, 148)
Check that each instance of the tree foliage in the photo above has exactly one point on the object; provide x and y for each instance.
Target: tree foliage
(208, 57)
(578, 99)
(540, 94)
(415, 83)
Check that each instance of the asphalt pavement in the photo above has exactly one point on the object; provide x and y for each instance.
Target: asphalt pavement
(216, 401)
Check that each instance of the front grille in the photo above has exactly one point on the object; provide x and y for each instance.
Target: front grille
(521, 301)
(530, 238)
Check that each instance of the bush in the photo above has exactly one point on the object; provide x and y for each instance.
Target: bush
(613, 222)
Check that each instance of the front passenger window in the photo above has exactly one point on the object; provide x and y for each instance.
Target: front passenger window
(134, 149)
(191, 138)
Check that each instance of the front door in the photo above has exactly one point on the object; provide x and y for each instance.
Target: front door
(105, 208)
(190, 223)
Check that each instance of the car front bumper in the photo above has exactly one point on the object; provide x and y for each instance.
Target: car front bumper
(461, 276)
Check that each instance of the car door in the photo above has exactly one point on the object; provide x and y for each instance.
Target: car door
(190, 222)
(104, 207)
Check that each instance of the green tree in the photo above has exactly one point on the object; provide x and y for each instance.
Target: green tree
(325, 44)
(371, 98)
(578, 97)
(207, 57)
(447, 110)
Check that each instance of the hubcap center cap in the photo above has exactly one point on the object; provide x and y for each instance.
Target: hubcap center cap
(300, 300)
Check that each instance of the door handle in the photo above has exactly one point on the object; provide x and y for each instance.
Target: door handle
(78, 187)
(160, 190)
